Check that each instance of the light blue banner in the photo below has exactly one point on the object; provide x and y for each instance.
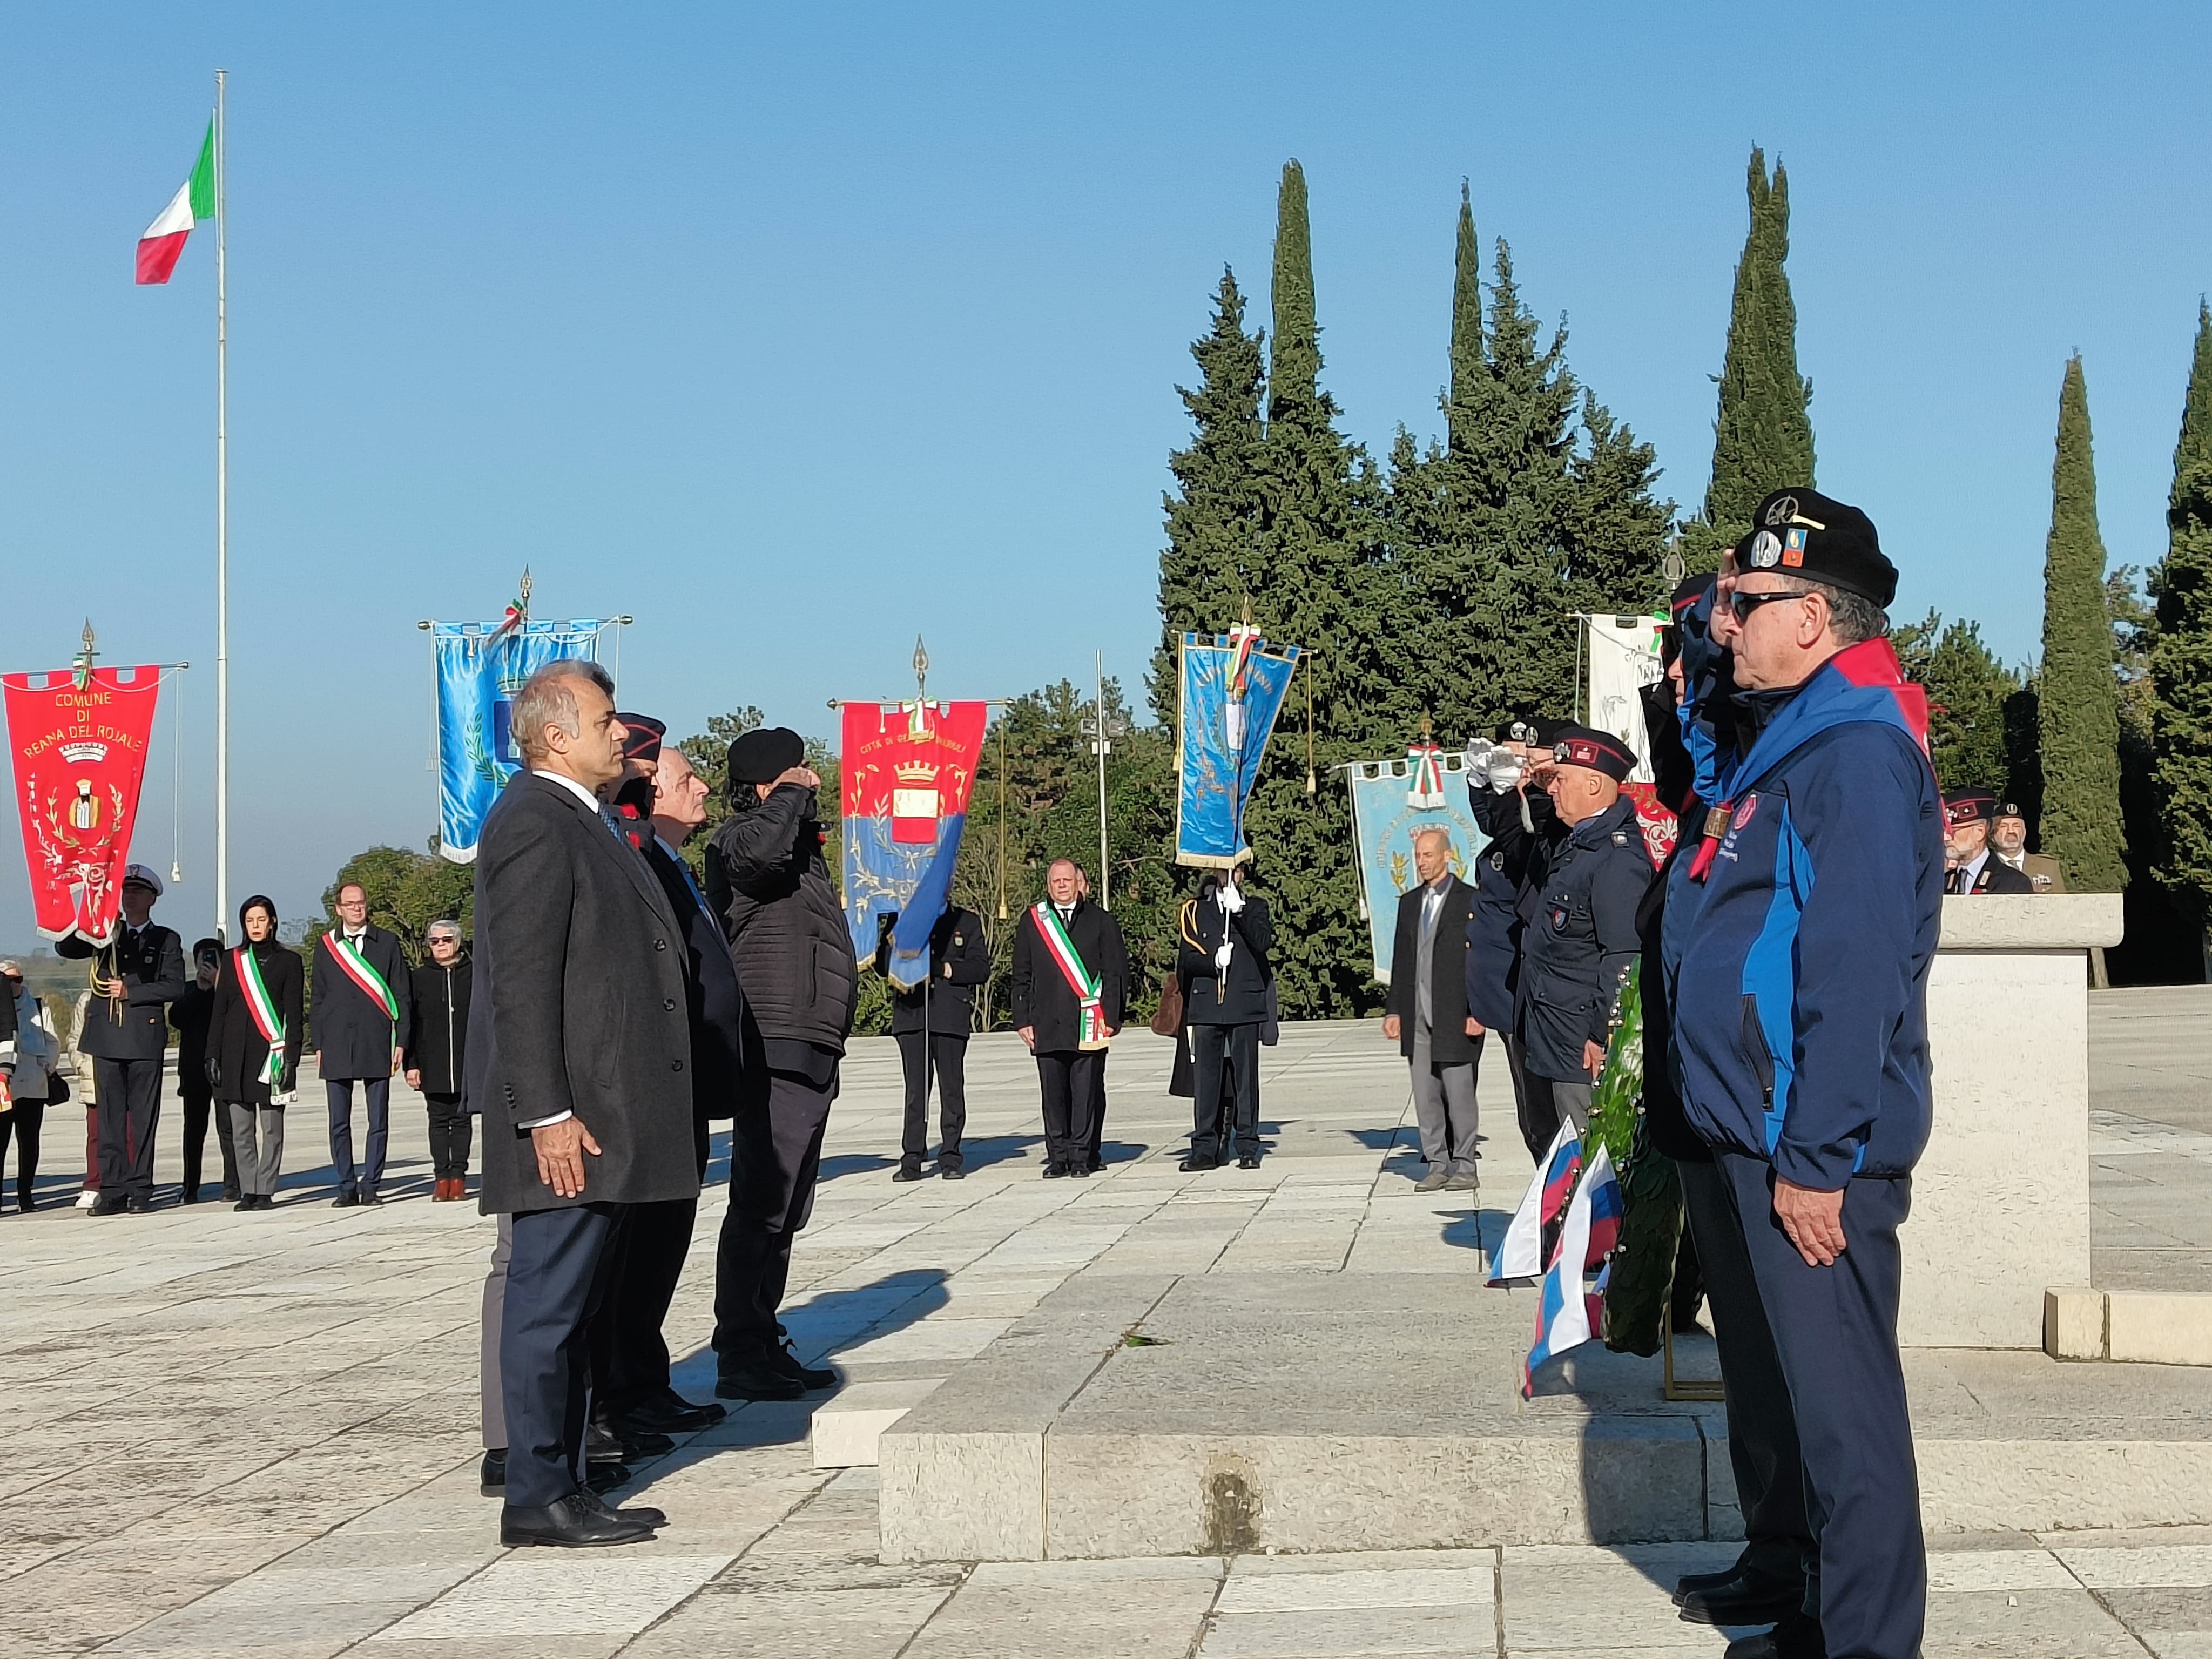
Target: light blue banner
(1223, 739)
(479, 671)
(1383, 822)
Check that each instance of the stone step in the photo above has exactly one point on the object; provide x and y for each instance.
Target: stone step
(844, 1431)
(2156, 1327)
(1143, 1416)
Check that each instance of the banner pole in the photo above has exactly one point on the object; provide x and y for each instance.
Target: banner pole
(222, 525)
(1105, 878)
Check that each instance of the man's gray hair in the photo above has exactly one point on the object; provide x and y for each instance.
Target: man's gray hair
(1853, 617)
(549, 698)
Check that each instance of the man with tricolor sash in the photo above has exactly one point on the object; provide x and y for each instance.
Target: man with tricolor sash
(1070, 987)
(360, 1024)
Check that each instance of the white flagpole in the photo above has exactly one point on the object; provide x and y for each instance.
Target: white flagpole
(221, 533)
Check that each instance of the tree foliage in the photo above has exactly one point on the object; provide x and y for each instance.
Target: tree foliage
(1969, 691)
(2181, 658)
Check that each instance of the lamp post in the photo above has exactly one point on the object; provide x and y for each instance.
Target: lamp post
(1101, 728)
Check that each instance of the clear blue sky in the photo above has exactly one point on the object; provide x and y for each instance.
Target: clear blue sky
(795, 332)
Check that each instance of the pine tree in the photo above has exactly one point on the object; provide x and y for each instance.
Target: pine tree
(1211, 563)
(2181, 654)
(2079, 698)
(1763, 432)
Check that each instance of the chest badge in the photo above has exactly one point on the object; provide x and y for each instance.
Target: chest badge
(1559, 919)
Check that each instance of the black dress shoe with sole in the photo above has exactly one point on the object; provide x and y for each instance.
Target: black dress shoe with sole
(1249, 1161)
(245, 1203)
(1056, 1171)
(345, 1201)
(605, 1477)
(1749, 1598)
(142, 1206)
(573, 1523)
(754, 1378)
(809, 1377)
(951, 1172)
(104, 1205)
(904, 1174)
(1197, 1165)
(671, 1413)
(643, 1514)
(1795, 1637)
(1097, 1165)
(491, 1474)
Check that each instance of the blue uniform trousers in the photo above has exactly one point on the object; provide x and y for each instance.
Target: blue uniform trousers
(1835, 1331)
(554, 1278)
(376, 1093)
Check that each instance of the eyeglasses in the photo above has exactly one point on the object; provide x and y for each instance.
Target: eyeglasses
(1741, 605)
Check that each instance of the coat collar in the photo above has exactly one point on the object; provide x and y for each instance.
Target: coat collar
(610, 849)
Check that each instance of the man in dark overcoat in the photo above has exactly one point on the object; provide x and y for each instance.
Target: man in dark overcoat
(579, 1056)
(1427, 1012)
(135, 975)
(1069, 988)
(358, 1022)
(1225, 942)
(931, 1024)
(767, 880)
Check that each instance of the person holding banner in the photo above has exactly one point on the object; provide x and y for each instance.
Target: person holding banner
(255, 1032)
(930, 1024)
(135, 975)
(1227, 940)
(363, 1026)
(1070, 987)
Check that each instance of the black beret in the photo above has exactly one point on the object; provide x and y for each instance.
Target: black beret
(1585, 745)
(1970, 806)
(2011, 809)
(765, 754)
(1802, 532)
(643, 743)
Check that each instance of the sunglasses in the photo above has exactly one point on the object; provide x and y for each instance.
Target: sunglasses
(1741, 605)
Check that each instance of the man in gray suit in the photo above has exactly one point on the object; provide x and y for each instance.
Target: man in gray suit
(1427, 1016)
(580, 1056)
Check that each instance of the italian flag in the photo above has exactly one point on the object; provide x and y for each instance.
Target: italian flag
(165, 238)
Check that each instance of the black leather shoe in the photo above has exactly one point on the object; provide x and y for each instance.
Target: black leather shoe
(1056, 1171)
(668, 1413)
(643, 1514)
(1196, 1165)
(1096, 1166)
(951, 1172)
(141, 1205)
(1248, 1161)
(189, 1196)
(573, 1523)
(491, 1474)
(345, 1201)
(372, 1198)
(105, 1205)
(265, 1202)
(1081, 1171)
(1690, 1581)
(605, 1477)
(25, 1204)
(249, 1202)
(632, 1442)
(1749, 1598)
(904, 1174)
(1794, 1638)
(752, 1377)
(810, 1377)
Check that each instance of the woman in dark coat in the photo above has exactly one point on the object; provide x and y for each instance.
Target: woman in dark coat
(436, 1055)
(259, 985)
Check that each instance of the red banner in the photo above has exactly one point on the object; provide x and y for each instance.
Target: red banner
(1656, 823)
(913, 764)
(80, 756)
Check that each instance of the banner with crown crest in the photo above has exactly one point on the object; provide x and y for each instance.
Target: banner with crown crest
(1233, 687)
(481, 666)
(905, 771)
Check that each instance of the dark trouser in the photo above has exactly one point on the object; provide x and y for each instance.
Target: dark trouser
(948, 1059)
(775, 1155)
(1547, 1102)
(450, 1131)
(1210, 1045)
(198, 1108)
(92, 1137)
(1835, 1331)
(492, 1388)
(1770, 1474)
(377, 1092)
(554, 1280)
(629, 1354)
(1098, 1108)
(130, 1093)
(23, 1123)
(1069, 1078)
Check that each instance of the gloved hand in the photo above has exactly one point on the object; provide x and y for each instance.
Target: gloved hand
(1221, 959)
(1231, 900)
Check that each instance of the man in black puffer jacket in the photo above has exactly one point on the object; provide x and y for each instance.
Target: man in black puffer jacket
(767, 880)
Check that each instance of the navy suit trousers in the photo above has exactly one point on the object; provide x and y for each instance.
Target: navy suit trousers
(555, 1279)
(377, 1093)
(1835, 1331)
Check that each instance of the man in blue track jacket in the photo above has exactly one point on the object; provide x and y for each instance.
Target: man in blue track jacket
(1815, 893)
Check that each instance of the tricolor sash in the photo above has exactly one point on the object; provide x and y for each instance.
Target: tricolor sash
(1090, 1028)
(362, 973)
(263, 1007)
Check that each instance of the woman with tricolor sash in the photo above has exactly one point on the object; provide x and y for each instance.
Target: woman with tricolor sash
(254, 1036)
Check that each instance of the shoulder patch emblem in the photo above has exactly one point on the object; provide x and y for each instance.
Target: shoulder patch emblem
(1743, 811)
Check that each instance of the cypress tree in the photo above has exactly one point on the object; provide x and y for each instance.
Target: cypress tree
(1763, 431)
(2181, 654)
(1466, 353)
(1211, 562)
(2078, 695)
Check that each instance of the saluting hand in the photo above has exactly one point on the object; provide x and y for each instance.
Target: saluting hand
(1814, 1219)
(561, 1148)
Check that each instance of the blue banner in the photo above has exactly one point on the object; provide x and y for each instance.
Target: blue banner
(479, 671)
(1228, 710)
(1383, 822)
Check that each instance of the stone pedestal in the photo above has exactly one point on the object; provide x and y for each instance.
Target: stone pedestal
(2001, 1199)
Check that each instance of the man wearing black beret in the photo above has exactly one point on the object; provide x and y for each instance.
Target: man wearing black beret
(768, 882)
(1580, 943)
(1807, 919)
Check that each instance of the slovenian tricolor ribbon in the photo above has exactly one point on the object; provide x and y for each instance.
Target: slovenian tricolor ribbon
(263, 1007)
(1088, 990)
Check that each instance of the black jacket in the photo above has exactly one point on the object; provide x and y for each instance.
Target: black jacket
(767, 880)
(959, 961)
(1043, 998)
(438, 1025)
(1449, 1042)
(725, 1042)
(235, 1042)
(188, 1017)
(1199, 930)
(352, 1036)
(580, 1006)
(1994, 875)
(152, 967)
(1507, 875)
(1582, 941)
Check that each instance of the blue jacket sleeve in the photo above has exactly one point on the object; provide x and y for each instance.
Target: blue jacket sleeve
(1856, 813)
